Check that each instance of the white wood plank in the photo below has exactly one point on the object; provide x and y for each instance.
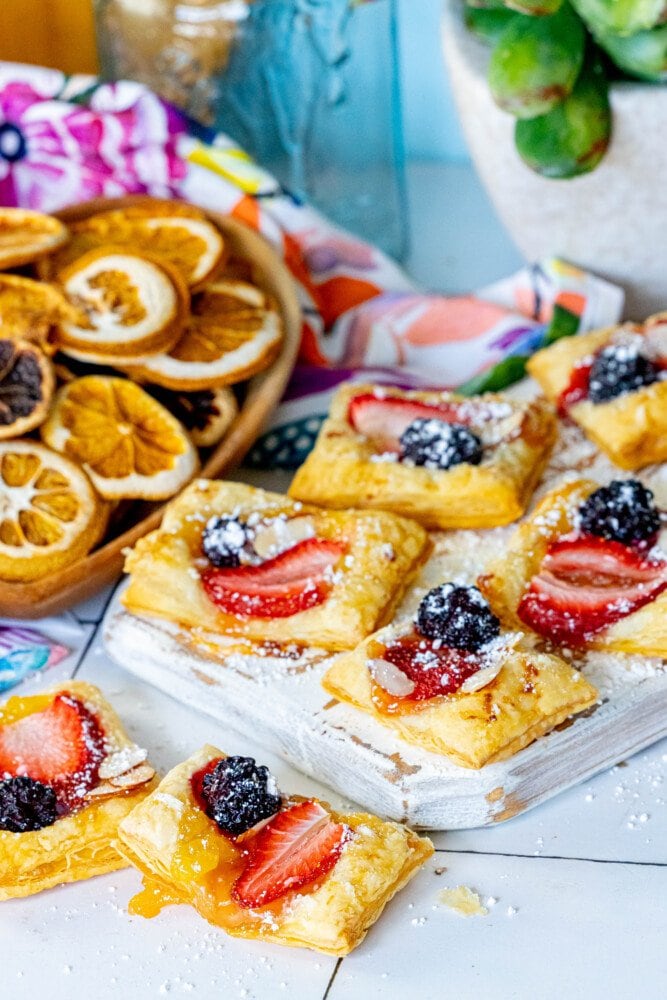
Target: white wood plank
(285, 709)
(581, 930)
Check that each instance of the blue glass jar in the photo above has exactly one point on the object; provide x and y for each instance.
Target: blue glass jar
(309, 87)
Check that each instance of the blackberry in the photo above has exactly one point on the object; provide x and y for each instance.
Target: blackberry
(623, 511)
(238, 794)
(459, 616)
(225, 539)
(436, 444)
(618, 369)
(26, 804)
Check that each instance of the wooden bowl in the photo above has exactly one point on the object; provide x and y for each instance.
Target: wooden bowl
(84, 578)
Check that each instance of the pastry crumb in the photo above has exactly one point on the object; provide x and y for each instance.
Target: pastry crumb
(463, 901)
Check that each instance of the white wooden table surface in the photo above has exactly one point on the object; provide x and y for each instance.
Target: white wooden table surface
(576, 890)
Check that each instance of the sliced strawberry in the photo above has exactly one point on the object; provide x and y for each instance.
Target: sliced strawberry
(294, 581)
(61, 746)
(298, 846)
(577, 388)
(586, 584)
(434, 670)
(383, 419)
(593, 556)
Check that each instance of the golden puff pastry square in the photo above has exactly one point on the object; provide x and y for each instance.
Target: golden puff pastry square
(506, 580)
(185, 858)
(630, 429)
(528, 695)
(79, 843)
(347, 468)
(379, 555)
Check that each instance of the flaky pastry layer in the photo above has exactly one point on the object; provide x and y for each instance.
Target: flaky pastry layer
(384, 552)
(506, 579)
(343, 470)
(531, 695)
(333, 917)
(79, 845)
(631, 429)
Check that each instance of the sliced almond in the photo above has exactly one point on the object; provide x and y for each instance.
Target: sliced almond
(122, 761)
(281, 534)
(502, 429)
(483, 677)
(390, 678)
(137, 776)
(123, 782)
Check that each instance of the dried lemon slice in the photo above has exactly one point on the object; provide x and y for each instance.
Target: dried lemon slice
(128, 443)
(127, 305)
(49, 513)
(27, 382)
(233, 333)
(25, 236)
(31, 310)
(177, 233)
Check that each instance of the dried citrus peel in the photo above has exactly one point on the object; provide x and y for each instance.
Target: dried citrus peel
(234, 333)
(49, 513)
(171, 232)
(130, 445)
(127, 304)
(25, 236)
(30, 310)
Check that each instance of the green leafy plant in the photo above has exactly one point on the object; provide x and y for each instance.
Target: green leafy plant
(551, 64)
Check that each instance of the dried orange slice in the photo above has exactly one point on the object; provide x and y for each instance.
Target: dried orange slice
(25, 236)
(171, 231)
(127, 305)
(234, 332)
(27, 382)
(31, 310)
(127, 442)
(82, 240)
(49, 513)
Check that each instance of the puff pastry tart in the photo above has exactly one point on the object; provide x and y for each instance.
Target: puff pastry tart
(586, 570)
(68, 775)
(218, 834)
(453, 683)
(613, 383)
(447, 461)
(243, 562)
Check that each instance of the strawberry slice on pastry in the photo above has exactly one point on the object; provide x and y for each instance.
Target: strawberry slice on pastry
(295, 580)
(384, 419)
(61, 746)
(301, 844)
(586, 584)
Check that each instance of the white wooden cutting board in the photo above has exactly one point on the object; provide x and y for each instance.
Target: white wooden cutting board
(283, 706)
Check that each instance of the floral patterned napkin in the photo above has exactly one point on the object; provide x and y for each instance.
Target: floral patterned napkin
(68, 139)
